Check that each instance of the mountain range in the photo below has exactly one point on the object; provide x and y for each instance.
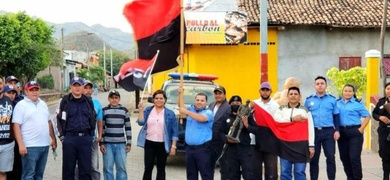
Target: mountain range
(113, 37)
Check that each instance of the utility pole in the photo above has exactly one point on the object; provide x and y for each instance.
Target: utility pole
(87, 56)
(104, 64)
(62, 69)
(111, 71)
(263, 41)
(382, 41)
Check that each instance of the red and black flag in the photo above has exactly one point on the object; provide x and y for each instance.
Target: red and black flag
(156, 27)
(287, 140)
(136, 73)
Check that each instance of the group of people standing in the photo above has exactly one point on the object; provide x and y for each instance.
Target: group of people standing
(84, 127)
(21, 116)
(81, 124)
(328, 120)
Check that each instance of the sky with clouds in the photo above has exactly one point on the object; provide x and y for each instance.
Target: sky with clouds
(89, 12)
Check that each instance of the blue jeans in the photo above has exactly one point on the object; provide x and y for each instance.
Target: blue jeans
(34, 163)
(115, 154)
(286, 170)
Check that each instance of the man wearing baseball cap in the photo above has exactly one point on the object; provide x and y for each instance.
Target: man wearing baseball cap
(10, 92)
(7, 142)
(87, 91)
(76, 123)
(259, 155)
(16, 172)
(31, 114)
(221, 110)
(12, 80)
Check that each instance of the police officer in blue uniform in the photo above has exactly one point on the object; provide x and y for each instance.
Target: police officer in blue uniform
(352, 127)
(238, 154)
(198, 138)
(76, 122)
(326, 122)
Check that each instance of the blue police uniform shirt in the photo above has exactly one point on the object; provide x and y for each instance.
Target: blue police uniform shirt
(351, 112)
(78, 115)
(322, 109)
(198, 133)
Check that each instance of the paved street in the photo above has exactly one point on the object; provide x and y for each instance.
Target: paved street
(176, 166)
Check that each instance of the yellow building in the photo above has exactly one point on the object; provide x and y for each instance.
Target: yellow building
(236, 65)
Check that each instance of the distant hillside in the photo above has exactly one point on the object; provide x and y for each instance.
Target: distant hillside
(114, 37)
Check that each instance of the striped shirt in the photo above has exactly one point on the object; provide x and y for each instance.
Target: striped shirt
(116, 122)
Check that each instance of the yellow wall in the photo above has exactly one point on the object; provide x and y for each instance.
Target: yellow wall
(237, 66)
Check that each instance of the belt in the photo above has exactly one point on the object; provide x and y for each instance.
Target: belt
(204, 145)
(323, 128)
(350, 127)
(83, 133)
(5, 141)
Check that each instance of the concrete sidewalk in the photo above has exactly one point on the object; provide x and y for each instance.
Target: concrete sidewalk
(371, 165)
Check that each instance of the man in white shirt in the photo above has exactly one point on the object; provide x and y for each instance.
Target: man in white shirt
(33, 132)
(261, 156)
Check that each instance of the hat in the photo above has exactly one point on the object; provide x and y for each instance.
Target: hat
(77, 80)
(113, 92)
(235, 98)
(9, 88)
(220, 89)
(32, 84)
(88, 82)
(265, 85)
(11, 78)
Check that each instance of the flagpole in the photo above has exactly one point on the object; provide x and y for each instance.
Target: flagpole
(181, 64)
(150, 72)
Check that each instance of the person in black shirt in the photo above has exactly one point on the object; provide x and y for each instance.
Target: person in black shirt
(238, 153)
(76, 122)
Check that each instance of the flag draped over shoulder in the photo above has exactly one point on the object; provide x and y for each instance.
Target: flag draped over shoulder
(287, 140)
(137, 74)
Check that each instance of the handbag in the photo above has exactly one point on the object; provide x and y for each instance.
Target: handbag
(141, 137)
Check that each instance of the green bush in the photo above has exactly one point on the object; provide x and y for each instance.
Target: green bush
(356, 76)
(46, 82)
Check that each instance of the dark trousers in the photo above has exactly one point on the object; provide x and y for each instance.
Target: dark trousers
(270, 164)
(384, 150)
(239, 162)
(154, 151)
(217, 147)
(16, 173)
(198, 159)
(325, 138)
(350, 148)
(77, 149)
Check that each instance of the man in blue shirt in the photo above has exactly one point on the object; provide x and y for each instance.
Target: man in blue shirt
(98, 132)
(198, 138)
(326, 127)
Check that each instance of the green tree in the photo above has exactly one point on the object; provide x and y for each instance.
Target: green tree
(357, 76)
(94, 74)
(26, 45)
